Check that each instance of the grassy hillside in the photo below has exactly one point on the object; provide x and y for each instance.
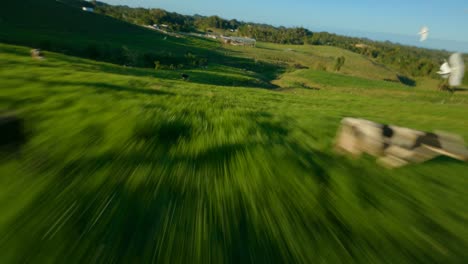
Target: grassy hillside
(56, 26)
(134, 166)
(318, 56)
(127, 164)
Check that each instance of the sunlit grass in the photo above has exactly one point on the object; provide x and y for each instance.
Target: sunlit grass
(133, 165)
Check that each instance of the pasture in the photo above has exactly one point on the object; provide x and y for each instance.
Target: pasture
(125, 164)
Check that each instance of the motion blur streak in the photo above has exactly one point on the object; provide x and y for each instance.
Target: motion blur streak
(120, 166)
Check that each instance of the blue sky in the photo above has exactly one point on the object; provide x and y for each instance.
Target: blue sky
(397, 20)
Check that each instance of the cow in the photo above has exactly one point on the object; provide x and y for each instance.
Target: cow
(37, 54)
(396, 146)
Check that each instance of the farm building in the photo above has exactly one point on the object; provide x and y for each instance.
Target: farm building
(87, 9)
(237, 41)
(361, 46)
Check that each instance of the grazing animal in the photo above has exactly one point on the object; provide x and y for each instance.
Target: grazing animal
(397, 146)
(185, 77)
(37, 54)
(453, 70)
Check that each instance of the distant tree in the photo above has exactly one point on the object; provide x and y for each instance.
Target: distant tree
(158, 15)
(146, 21)
(234, 24)
(339, 63)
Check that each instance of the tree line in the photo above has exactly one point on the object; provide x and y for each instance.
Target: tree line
(411, 61)
(185, 23)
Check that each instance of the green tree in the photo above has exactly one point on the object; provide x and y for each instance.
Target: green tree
(339, 63)
(157, 65)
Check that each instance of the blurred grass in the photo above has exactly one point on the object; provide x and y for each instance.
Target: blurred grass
(126, 164)
(131, 165)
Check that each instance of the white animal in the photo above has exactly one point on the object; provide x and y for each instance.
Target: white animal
(397, 146)
(423, 33)
(445, 70)
(453, 70)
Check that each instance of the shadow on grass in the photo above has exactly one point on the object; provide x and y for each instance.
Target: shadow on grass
(119, 88)
(460, 89)
(441, 160)
(113, 220)
(134, 86)
(154, 198)
(402, 80)
(406, 80)
(214, 78)
(263, 72)
(260, 78)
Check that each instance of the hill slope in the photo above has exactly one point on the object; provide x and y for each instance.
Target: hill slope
(56, 26)
(123, 166)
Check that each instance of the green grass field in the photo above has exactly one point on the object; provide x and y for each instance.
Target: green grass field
(124, 166)
(134, 165)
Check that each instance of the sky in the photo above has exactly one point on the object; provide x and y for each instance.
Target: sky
(394, 20)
